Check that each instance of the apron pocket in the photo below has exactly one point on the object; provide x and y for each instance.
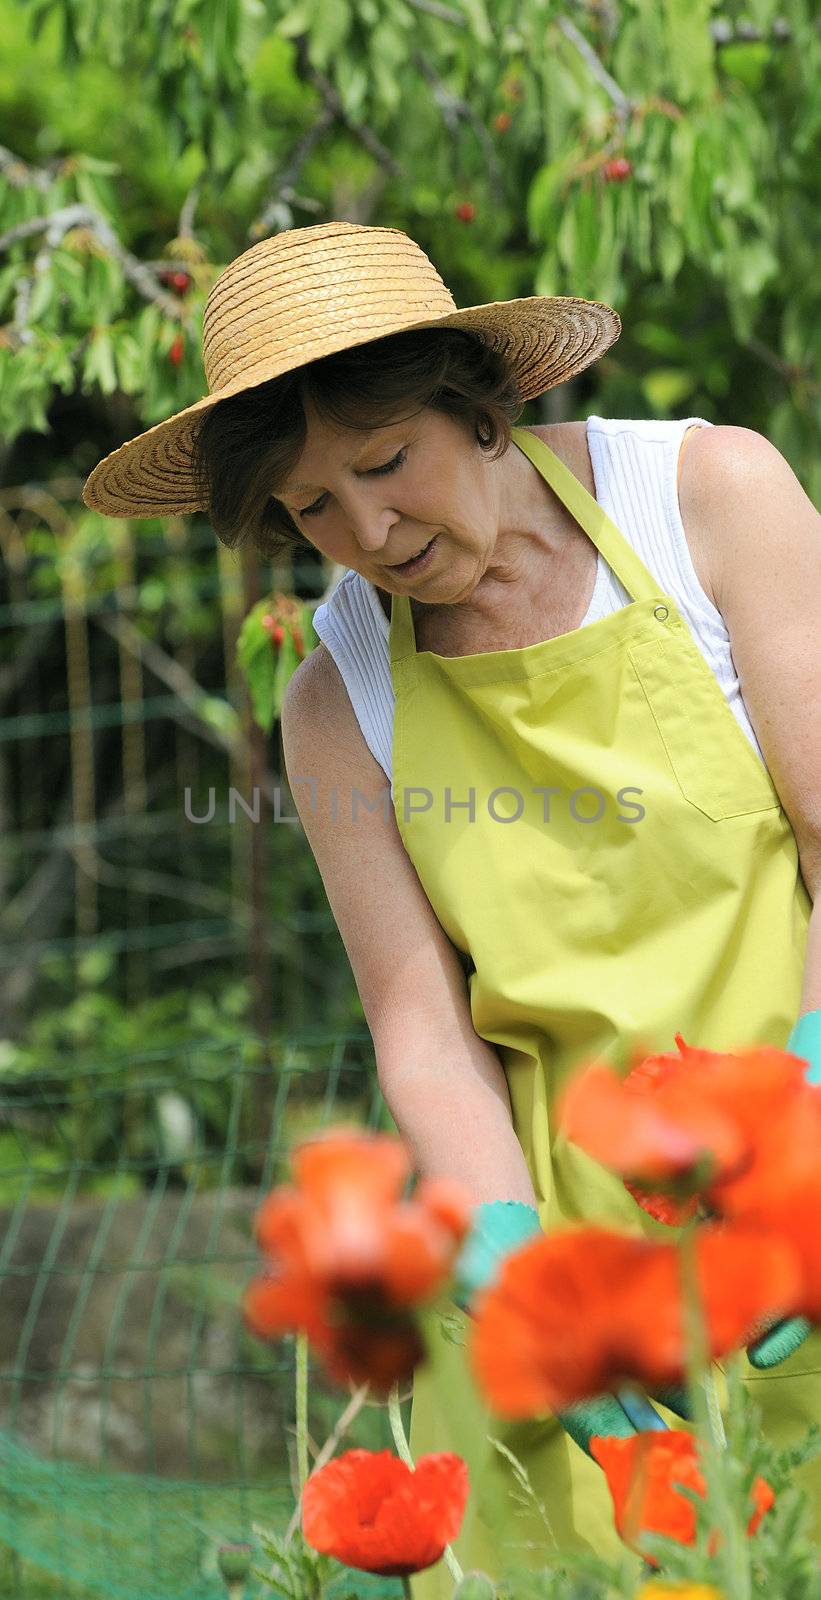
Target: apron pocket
(714, 763)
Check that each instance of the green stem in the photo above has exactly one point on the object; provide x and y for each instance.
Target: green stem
(716, 1420)
(352, 1410)
(733, 1551)
(695, 1333)
(302, 1409)
(403, 1450)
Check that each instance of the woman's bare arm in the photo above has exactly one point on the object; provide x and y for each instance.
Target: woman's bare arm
(444, 1086)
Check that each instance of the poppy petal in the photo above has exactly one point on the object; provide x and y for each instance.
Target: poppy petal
(644, 1472)
(576, 1313)
(651, 1136)
(369, 1510)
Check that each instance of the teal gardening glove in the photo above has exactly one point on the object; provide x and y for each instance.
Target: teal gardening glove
(501, 1226)
(785, 1337)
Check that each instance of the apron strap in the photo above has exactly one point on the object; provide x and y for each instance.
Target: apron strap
(630, 571)
(619, 555)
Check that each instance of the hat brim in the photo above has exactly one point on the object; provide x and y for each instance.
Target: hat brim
(546, 340)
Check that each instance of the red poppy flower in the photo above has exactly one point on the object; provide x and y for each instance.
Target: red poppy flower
(369, 1510)
(358, 1338)
(643, 1472)
(647, 1128)
(574, 1314)
(755, 1101)
(779, 1114)
(349, 1259)
(345, 1224)
(795, 1216)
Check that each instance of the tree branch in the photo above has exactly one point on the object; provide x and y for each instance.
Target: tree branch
(455, 110)
(434, 9)
(20, 175)
(360, 130)
(623, 104)
(185, 226)
(169, 671)
(146, 881)
(277, 213)
(59, 223)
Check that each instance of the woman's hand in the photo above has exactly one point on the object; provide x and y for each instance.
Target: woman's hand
(500, 1226)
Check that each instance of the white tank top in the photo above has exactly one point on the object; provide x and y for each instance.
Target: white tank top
(635, 467)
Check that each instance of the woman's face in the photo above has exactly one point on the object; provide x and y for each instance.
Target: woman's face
(372, 500)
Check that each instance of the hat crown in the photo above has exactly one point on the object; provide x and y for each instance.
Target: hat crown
(328, 287)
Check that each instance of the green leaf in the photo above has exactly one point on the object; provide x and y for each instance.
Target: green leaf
(665, 387)
(388, 63)
(478, 19)
(580, 238)
(661, 339)
(130, 371)
(545, 193)
(296, 21)
(689, 48)
(273, 74)
(452, 1328)
(38, 14)
(642, 236)
(755, 266)
(670, 250)
(101, 363)
(219, 714)
(287, 663)
(679, 170)
(747, 63)
(256, 660)
(94, 966)
(94, 164)
(42, 296)
(352, 88)
(310, 636)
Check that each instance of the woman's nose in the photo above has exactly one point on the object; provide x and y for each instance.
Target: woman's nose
(371, 528)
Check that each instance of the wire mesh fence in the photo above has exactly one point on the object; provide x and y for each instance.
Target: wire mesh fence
(176, 1009)
(141, 1425)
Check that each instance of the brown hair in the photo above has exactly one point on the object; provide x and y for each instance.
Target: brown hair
(251, 441)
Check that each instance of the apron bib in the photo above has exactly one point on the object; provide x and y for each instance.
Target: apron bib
(603, 846)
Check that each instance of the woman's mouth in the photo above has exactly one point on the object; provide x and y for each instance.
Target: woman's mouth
(416, 563)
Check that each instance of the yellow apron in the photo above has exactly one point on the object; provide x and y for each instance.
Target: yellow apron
(602, 844)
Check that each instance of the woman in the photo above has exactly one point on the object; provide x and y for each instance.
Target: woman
(583, 848)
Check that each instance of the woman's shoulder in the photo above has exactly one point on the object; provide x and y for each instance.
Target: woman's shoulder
(568, 441)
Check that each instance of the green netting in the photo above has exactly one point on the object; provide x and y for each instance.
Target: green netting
(160, 981)
(141, 1426)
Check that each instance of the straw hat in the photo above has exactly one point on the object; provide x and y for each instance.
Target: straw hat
(309, 292)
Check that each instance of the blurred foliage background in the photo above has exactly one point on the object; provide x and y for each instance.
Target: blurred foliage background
(660, 155)
(654, 155)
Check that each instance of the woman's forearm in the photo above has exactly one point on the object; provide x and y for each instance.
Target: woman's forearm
(457, 1124)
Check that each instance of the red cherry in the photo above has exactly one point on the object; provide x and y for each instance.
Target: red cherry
(277, 635)
(465, 211)
(180, 281)
(617, 170)
(502, 121)
(175, 354)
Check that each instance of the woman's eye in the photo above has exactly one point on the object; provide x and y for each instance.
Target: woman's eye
(375, 472)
